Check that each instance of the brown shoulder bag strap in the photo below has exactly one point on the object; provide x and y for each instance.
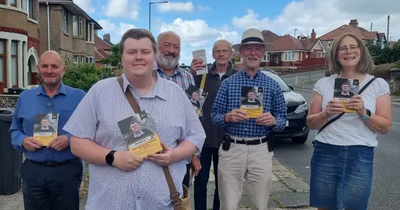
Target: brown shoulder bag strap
(176, 201)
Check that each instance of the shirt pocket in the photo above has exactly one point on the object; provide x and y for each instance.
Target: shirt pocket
(64, 116)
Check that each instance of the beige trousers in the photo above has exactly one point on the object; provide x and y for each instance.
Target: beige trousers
(248, 167)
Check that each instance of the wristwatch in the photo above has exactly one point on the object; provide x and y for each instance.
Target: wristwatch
(110, 158)
(368, 115)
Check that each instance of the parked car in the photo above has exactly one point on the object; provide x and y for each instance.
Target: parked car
(297, 110)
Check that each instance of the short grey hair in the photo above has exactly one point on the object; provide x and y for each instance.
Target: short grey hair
(167, 33)
(222, 41)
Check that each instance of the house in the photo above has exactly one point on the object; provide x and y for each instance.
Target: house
(102, 49)
(19, 43)
(367, 36)
(67, 29)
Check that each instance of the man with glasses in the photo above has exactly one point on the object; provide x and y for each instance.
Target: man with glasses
(219, 71)
(51, 174)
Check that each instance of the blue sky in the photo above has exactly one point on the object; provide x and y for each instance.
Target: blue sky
(201, 22)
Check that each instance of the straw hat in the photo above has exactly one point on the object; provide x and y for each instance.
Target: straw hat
(251, 36)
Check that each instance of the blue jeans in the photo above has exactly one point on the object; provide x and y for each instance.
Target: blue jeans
(201, 180)
(341, 176)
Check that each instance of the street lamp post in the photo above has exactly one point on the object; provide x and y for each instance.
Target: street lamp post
(294, 47)
(150, 3)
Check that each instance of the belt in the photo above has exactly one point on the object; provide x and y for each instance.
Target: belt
(249, 142)
(54, 163)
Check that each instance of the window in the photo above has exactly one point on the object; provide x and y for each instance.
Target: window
(13, 3)
(289, 56)
(329, 44)
(65, 20)
(89, 59)
(75, 25)
(83, 59)
(89, 32)
(76, 59)
(14, 64)
(30, 9)
(80, 26)
(2, 60)
(319, 55)
(2, 1)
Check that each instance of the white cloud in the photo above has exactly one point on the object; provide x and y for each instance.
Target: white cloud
(86, 5)
(204, 8)
(123, 9)
(176, 7)
(325, 16)
(123, 27)
(116, 31)
(195, 33)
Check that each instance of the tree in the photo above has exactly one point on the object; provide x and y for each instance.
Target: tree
(385, 55)
(84, 76)
(115, 58)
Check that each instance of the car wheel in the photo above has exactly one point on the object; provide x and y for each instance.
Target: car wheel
(300, 139)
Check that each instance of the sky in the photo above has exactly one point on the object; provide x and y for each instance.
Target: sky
(200, 23)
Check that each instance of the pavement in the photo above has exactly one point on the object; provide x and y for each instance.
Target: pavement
(288, 191)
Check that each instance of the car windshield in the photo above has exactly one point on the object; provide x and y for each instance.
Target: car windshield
(284, 86)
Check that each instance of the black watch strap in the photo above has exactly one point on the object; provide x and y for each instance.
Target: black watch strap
(110, 158)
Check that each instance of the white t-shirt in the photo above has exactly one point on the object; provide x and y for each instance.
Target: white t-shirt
(221, 74)
(350, 129)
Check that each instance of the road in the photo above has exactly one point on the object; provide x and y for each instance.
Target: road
(386, 182)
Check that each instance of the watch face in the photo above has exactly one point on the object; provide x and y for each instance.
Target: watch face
(368, 112)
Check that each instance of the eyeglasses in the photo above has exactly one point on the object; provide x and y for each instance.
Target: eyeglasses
(49, 105)
(352, 48)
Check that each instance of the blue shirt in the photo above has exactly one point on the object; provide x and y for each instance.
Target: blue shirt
(229, 98)
(181, 77)
(36, 101)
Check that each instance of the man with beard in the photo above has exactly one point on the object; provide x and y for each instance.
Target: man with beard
(167, 57)
(51, 175)
(220, 70)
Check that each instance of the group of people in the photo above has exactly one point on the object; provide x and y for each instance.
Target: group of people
(239, 147)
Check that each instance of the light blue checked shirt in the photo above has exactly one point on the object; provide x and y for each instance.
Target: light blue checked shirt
(228, 98)
(97, 117)
(181, 77)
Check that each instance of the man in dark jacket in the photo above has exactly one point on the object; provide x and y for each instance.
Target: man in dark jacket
(219, 71)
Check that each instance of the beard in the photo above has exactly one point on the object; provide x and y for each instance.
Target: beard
(161, 59)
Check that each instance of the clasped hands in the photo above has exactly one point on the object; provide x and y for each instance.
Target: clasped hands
(59, 143)
(355, 103)
(238, 115)
(127, 161)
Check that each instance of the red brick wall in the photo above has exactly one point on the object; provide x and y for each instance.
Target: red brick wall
(32, 42)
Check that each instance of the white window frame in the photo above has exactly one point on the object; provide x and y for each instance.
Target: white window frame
(76, 59)
(65, 21)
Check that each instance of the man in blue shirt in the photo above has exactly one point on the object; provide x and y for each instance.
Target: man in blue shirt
(51, 174)
(245, 157)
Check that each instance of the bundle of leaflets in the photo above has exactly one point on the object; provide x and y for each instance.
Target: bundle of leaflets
(344, 89)
(197, 97)
(140, 134)
(201, 54)
(45, 128)
(252, 101)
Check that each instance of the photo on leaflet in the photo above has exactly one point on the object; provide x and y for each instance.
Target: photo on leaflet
(140, 134)
(344, 89)
(196, 97)
(45, 127)
(251, 101)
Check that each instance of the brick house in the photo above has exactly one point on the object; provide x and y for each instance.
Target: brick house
(285, 52)
(102, 49)
(19, 43)
(70, 31)
(302, 53)
(367, 36)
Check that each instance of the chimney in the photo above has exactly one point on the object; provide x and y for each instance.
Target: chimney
(106, 37)
(354, 23)
(313, 35)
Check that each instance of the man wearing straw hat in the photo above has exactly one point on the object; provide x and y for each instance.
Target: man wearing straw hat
(247, 150)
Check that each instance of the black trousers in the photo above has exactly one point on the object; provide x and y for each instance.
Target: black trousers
(54, 187)
(207, 156)
(186, 179)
